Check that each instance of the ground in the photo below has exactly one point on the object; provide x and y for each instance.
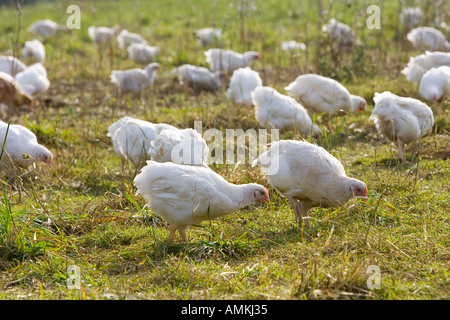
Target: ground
(82, 210)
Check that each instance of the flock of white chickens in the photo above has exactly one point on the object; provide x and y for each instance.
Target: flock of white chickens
(185, 190)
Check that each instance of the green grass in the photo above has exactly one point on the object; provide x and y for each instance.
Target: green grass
(83, 211)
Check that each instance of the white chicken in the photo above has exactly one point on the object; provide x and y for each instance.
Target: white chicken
(21, 146)
(208, 36)
(125, 38)
(12, 98)
(435, 83)
(341, 36)
(33, 80)
(324, 96)
(134, 80)
(185, 146)
(101, 35)
(400, 119)
(199, 78)
(132, 139)
(242, 83)
(45, 28)
(187, 195)
(34, 49)
(142, 52)
(411, 18)
(274, 110)
(308, 176)
(417, 66)
(292, 45)
(11, 65)
(428, 38)
(229, 60)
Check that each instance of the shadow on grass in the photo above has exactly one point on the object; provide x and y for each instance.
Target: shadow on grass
(214, 247)
(218, 247)
(293, 234)
(394, 163)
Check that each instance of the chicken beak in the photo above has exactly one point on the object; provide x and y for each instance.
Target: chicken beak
(362, 107)
(266, 200)
(363, 198)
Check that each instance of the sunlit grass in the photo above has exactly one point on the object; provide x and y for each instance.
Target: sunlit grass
(83, 211)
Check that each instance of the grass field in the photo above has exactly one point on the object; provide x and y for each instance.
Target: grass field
(98, 224)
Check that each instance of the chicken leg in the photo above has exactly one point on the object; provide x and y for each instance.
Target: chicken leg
(172, 230)
(400, 155)
(300, 210)
(123, 162)
(181, 230)
(327, 125)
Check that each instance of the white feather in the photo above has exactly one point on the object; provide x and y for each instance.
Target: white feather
(229, 60)
(322, 95)
(102, 35)
(185, 146)
(292, 45)
(401, 119)
(417, 66)
(208, 36)
(21, 146)
(199, 78)
(125, 38)
(274, 110)
(34, 49)
(134, 80)
(428, 38)
(132, 138)
(33, 80)
(342, 36)
(308, 176)
(11, 65)
(242, 83)
(435, 83)
(411, 18)
(142, 52)
(188, 195)
(45, 28)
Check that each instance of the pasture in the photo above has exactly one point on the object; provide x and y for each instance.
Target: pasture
(83, 211)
